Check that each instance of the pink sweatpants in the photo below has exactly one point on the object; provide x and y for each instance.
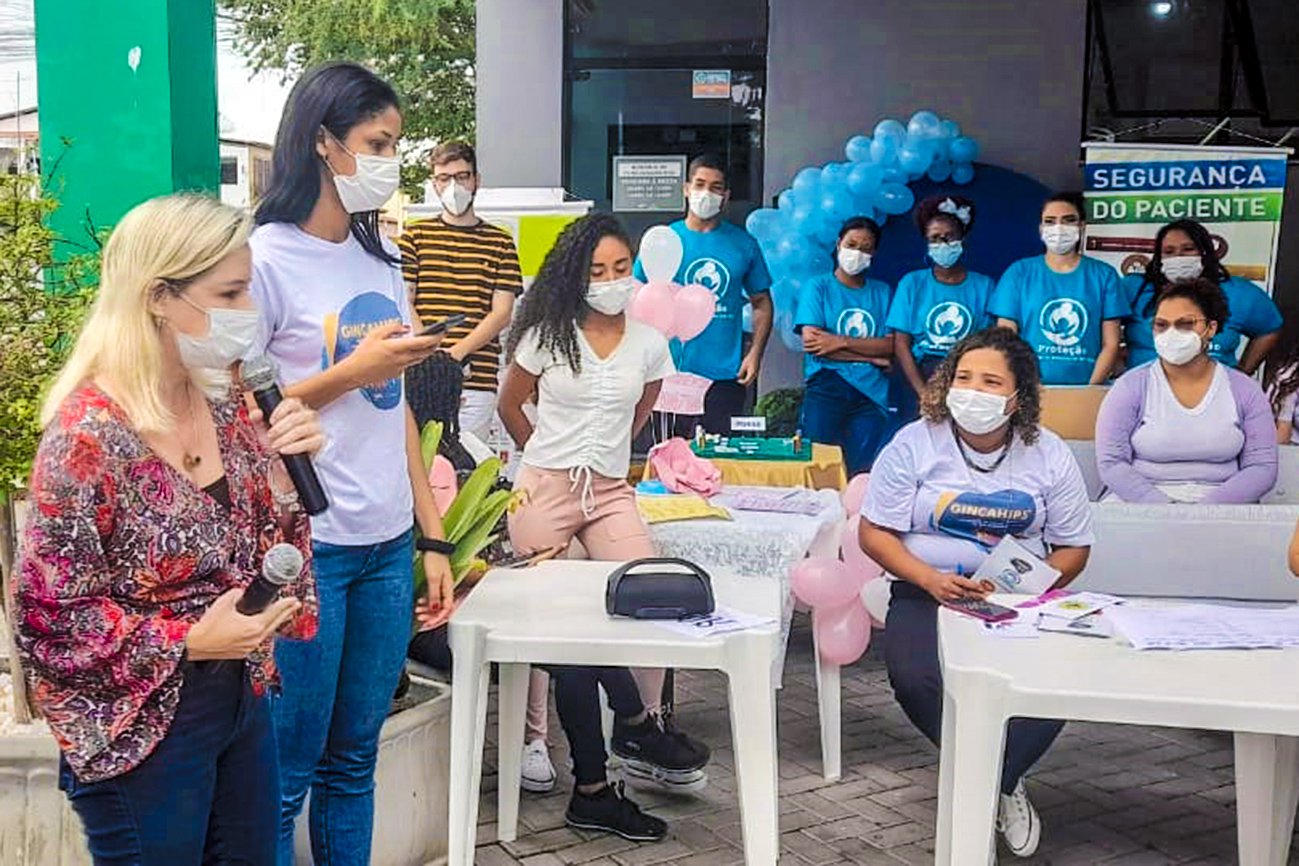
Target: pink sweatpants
(551, 514)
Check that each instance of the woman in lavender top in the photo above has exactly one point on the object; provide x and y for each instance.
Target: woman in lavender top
(1186, 428)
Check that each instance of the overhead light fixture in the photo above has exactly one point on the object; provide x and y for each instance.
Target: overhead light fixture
(1161, 8)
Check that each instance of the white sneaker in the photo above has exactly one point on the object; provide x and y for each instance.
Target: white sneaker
(538, 774)
(1018, 823)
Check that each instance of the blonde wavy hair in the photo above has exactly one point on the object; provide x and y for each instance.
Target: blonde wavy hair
(162, 244)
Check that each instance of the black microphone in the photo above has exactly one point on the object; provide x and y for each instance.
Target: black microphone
(280, 567)
(261, 377)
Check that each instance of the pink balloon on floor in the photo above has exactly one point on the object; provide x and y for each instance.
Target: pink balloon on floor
(842, 633)
(858, 563)
(653, 306)
(442, 478)
(854, 493)
(693, 309)
(823, 582)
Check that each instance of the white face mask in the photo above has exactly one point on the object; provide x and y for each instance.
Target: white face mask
(612, 297)
(455, 199)
(1061, 239)
(1182, 267)
(1178, 347)
(230, 334)
(705, 204)
(977, 412)
(853, 261)
(369, 188)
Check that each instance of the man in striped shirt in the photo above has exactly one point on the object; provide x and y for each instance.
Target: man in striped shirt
(456, 263)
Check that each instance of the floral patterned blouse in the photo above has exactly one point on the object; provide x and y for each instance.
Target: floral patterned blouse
(121, 554)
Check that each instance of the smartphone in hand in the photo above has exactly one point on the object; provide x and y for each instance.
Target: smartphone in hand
(442, 325)
(982, 609)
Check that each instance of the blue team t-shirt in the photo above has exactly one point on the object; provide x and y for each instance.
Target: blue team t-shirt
(1252, 314)
(1060, 315)
(828, 304)
(726, 261)
(936, 315)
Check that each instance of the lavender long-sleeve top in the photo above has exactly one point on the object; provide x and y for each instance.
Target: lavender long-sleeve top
(1138, 446)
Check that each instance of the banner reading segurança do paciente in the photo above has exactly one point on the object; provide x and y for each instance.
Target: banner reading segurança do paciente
(1235, 192)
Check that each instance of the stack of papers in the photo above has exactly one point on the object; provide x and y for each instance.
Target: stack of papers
(1204, 626)
(796, 500)
(1059, 611)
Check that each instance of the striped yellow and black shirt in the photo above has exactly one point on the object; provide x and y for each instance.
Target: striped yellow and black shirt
(456, 269)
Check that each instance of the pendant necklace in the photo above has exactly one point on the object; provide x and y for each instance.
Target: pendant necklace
(191, 461)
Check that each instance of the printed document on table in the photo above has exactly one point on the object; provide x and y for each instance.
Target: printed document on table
(1204, 626)
(1011, 567)
(721, 621)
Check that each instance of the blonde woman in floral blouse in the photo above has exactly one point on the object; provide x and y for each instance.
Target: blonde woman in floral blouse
(155, 494)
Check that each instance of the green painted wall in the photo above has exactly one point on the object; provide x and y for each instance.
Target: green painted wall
(130, 134)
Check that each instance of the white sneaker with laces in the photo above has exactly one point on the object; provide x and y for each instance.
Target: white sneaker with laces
(538, 774)
(1018, 823)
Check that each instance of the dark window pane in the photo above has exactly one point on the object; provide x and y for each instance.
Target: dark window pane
(634, 29)
(229, 170)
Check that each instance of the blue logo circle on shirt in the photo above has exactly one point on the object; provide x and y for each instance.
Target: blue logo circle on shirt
(1063, 321)
(709, 273)
(345, 331)
(946, 323)
(856, 323)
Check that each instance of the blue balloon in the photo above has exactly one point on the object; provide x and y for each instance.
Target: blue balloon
(894, 198)
(791, 249)
(895, 174)
(925, 124)
(746, 318)
(884, 149)
(890, 129)
(833, 173)
(940, 171)
(836, 200)
(913, 159)
(963, 149)
(962, 173)
(864, 179)
(765, 222)
(805, 218)
(783, 324)
(858, 149)
(950, 129)
(807, 180)
(939, 148)
(786, 201)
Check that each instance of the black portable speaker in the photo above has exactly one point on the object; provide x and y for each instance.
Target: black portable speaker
(659, 588)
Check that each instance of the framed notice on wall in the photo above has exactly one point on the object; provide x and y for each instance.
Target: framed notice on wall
(647, 184)
(710, 84)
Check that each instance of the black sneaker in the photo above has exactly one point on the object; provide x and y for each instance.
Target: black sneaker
(609, 811)
(654, 750)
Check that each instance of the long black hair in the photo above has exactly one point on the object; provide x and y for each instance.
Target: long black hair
(1022, 361)
(1199, 235)
(555, 304)
(335, 96)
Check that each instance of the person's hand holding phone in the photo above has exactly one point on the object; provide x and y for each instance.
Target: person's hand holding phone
(945, 586)
(387, 351)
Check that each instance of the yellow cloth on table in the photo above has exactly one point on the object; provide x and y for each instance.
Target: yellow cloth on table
(683, 506)
(825, 471)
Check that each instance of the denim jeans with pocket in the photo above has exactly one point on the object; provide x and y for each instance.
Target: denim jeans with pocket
(337, 690)
(836, 413)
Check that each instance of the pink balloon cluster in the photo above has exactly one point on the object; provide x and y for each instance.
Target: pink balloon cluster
(674, 311)
(833, 588)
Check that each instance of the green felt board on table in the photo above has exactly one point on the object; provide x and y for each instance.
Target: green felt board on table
(753, 448)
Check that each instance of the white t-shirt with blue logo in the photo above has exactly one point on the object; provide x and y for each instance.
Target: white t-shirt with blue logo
(1060, 315)
(951, 516)
(936, 315)
(317, 301)
(828, 304)
(727, 262)
(1251, 314)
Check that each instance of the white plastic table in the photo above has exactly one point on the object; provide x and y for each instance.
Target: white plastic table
(554, 614)
(988, 680)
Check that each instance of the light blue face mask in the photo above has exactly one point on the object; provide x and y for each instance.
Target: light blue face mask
(946, 254)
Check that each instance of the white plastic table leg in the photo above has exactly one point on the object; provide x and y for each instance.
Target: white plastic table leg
(946, 791)
(979, 739)
(468, 725)
(1266, 783)
(829, 711)
(512, 703)
(753, 733)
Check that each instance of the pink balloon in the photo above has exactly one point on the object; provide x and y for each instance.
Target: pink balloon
(442, 478)
(823, 582)
(855, 559)
(854, 493)
(693, 310)
(653, 306)
(842, 633)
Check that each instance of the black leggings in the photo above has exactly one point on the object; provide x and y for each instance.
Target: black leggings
(911, 656)
(577, 698)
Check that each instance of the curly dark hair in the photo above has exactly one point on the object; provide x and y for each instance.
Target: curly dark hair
(1204, 293)
(1019, 357)
(928, 211)
(1199, 235)
(1283, 359)
(555, 303)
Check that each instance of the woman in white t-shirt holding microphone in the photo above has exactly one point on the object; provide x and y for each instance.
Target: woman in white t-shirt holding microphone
(976, 467)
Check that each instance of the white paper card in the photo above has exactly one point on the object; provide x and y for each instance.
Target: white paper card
(721, 621)
(1011, 567)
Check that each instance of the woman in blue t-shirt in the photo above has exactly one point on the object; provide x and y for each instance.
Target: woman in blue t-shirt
(935, 307)
(1185, 249)
(841, 318)
(1067, 306)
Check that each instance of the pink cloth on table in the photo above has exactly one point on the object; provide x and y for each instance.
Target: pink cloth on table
(683, 471)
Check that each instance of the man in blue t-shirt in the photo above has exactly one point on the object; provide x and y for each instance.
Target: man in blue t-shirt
(726, 260)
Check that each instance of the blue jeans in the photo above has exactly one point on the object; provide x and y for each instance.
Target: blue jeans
(337, 692)
(836, 413)
(206, 794)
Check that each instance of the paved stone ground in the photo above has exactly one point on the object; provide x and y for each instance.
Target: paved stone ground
(1111, 794)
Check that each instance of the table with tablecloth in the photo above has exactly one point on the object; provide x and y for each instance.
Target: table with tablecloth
(825, 471)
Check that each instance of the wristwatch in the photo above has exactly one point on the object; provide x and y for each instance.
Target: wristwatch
(435, 545)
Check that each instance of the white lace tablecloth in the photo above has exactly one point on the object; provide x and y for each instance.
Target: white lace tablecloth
(756, 544)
